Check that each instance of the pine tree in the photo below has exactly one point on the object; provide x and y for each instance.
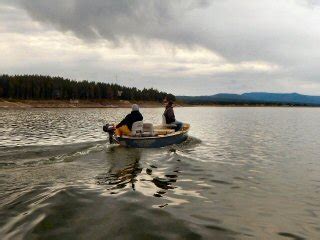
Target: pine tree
(46, 87)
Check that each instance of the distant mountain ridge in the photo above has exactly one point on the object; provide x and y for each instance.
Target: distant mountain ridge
(254, 98)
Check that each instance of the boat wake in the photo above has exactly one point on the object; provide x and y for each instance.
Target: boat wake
(38, 155)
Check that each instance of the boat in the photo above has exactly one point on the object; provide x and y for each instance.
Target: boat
(152, 141)
(144, 135)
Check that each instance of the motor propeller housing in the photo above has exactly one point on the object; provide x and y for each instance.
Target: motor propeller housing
(109, 128)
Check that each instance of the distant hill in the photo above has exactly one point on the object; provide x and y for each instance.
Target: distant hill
(254, 98)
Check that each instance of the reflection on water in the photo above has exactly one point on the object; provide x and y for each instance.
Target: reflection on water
(126, 172)
(246, 173)
(123, 170)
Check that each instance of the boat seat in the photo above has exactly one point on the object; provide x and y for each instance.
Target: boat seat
(137, 128)
(164, 123)
(163, 131)
(148, 130)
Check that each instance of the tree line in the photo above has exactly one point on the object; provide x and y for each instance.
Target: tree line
(47, 88)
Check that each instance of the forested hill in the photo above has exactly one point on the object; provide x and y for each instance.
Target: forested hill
(254, 98)
(47, 88)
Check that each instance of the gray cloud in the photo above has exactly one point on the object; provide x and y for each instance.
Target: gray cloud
(281, 32)
(115, 20)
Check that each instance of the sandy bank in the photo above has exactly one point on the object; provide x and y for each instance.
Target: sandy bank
(22, 104)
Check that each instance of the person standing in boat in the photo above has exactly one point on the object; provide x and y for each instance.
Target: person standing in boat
(125, 126)
(169, 115)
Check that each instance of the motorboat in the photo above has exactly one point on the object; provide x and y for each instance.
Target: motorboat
(146, 135)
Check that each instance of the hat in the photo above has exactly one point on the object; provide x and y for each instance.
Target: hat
(135, 107)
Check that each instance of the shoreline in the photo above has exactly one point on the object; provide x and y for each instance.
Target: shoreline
(27, 104)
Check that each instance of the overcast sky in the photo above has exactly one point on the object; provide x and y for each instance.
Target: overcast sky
(186, 47)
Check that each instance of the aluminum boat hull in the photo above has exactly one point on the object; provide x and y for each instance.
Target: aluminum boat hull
(152, 142)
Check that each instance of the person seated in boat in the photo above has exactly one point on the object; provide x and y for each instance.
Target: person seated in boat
(125, 126)
(169, 115)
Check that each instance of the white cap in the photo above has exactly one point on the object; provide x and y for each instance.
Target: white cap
(135, 107)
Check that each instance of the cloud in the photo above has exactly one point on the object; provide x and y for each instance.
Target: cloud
(113, 20)
(238, 30)
(266, 44)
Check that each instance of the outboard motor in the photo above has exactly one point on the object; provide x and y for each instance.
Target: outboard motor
(108, 128)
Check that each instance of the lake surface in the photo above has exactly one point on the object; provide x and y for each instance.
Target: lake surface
(244, 173)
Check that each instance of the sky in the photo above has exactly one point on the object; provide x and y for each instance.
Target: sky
(185, 47)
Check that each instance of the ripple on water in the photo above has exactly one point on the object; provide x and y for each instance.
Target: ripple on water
(245, 178)
(291, 235)
(45, 210)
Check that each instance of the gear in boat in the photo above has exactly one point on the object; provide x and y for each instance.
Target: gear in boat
(145, 135)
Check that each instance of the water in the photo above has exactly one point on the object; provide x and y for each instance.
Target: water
(244, 173)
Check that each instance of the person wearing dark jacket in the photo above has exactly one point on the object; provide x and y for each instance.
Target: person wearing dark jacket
(125, 126)
(170, 117)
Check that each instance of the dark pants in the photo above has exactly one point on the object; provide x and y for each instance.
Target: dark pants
(179, 125)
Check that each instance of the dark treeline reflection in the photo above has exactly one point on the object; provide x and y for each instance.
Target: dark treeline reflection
(46, 87)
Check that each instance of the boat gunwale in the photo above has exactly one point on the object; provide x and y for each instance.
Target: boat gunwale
(152, 137)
